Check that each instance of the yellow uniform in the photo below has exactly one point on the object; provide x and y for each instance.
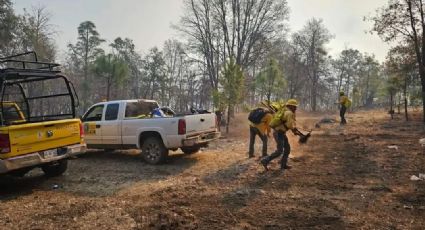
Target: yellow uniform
(343, 100)
(345, 104)
(264, 125)
(283, 121)
(288, 121)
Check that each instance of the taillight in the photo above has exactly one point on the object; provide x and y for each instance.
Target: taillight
(182, 127)
(4, 143)
(81, 130)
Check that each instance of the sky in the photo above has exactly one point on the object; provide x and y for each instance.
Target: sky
(148, 22)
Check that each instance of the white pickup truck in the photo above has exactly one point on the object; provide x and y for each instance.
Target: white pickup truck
(128, 124)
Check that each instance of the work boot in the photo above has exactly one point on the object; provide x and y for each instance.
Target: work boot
(264, 162)
(287, 167)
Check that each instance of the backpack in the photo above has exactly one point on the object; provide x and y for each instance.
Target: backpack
(348, 103)
(277, 118)
(256, 115)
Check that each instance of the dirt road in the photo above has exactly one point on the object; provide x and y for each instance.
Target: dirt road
(346, 177)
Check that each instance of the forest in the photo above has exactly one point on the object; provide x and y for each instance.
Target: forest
(275, 63)
(176, 168)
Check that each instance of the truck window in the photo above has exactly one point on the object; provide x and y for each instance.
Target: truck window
(140, 109)
(11, 113)
(111, 112)
(94, 114)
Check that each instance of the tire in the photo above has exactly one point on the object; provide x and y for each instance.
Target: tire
(55, 169)
(154, 151)
(191, 150)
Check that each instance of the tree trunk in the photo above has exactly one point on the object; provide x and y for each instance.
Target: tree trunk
(314, 96)
(398, 104)
(405, 99)
(108, 88)
(423, 98)
(391, 106)
(228, 118)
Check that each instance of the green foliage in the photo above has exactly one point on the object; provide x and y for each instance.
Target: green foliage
(347, 67)
(394, 84)
(8, 24)
(111, 67)
(403, 22)
(270, 80)
(155, 71)
(218, 100)
(87, 47)
(232, 81)
(83, 54)
(125, 49)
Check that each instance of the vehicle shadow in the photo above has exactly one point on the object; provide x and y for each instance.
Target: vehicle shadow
(97, 174)
(14, 187)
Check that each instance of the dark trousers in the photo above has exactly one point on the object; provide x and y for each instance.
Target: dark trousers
(342, 114)
(252, 133)
(283, 147)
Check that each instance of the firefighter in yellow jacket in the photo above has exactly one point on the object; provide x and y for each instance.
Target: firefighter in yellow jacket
(344, 104)
(261, 129)
(283, 121)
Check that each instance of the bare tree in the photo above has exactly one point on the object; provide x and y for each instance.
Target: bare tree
(346, 67)
(222, 29)
(312, 40)
(404, 20)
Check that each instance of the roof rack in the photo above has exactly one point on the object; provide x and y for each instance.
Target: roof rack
(22, 65)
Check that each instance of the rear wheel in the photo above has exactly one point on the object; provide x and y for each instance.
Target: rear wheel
(191, 149)
(154, 151)
(56, 168)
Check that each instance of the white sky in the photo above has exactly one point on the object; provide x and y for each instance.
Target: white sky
(148, 22)
(344, 19)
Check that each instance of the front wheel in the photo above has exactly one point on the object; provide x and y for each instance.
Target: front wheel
(154, 151)
(191, 149)
(56, 168)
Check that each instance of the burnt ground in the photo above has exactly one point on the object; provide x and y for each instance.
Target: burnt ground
(344, 178)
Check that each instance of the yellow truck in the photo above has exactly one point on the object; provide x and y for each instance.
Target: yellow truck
(38, 122)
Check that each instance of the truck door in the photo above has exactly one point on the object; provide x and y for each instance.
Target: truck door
(111, 126)
(92, 123)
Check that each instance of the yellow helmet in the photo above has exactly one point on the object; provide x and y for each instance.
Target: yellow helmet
(292, 102)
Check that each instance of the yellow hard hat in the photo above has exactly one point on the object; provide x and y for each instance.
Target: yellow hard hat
(292, 102)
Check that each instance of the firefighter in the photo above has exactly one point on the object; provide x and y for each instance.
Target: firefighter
(283, 121)
(262, 129)
(344, 103)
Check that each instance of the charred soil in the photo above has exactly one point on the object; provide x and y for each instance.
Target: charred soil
(353, 176)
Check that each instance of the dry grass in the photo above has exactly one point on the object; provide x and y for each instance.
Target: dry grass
(346, 177)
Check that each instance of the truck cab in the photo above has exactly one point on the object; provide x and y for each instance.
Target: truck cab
(133, 124)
